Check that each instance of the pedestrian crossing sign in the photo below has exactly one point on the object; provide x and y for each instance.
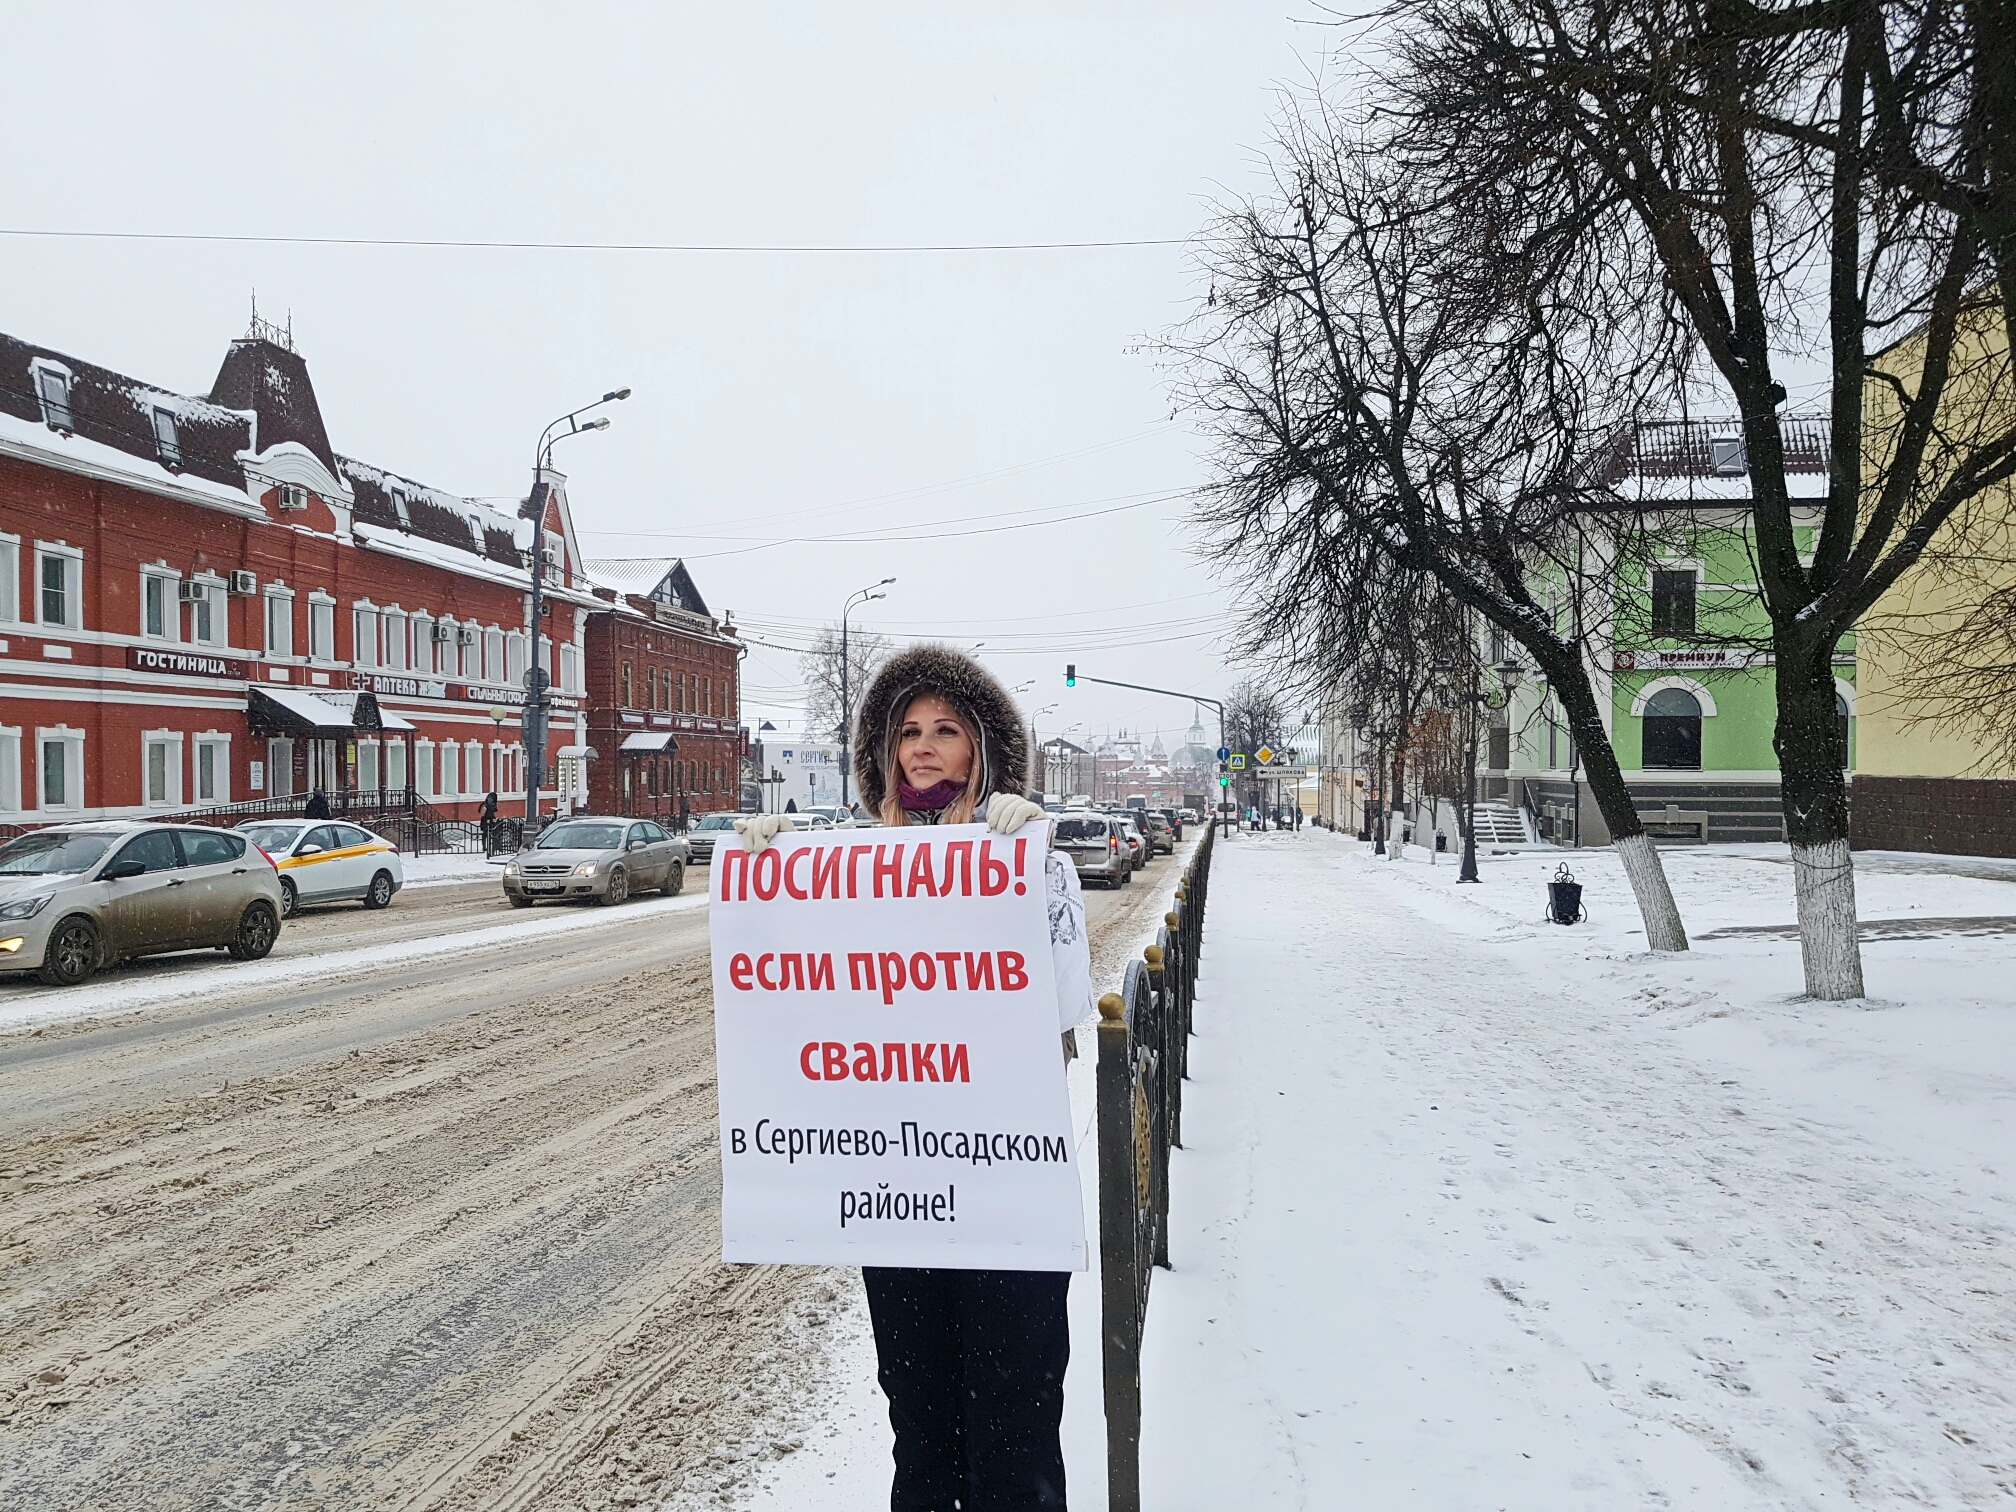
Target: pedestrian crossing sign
(1238, 761)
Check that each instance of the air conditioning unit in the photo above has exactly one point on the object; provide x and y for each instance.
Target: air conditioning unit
(293, 497)
(443, 634)
(465, 635)
(192, 593)
(244, 583)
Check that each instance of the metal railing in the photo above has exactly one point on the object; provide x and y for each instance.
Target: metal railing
(1144, 1057)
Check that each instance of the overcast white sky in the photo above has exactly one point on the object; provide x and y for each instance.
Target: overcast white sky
(776, 395)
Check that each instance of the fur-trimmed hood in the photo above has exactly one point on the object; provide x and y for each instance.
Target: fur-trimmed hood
(968, 687)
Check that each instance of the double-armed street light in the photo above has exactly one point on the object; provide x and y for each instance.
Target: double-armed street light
(1477, 698)
(861, 596)
(533, 724)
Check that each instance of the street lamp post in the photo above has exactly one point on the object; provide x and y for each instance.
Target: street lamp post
(861, 596)
(532, 725)
(1476, 698)
(1379, 739)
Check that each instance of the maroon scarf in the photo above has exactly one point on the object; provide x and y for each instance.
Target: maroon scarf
(927, 800)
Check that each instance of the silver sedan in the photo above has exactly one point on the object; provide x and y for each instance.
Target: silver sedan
(606, 860)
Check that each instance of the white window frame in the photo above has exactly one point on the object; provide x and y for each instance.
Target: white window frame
(515, 647)
(170, 583)
(493, 655)
(272, 594)
(395, 642)
(73, 584)
(570, 668)
(420, 628)
(56, 413)
(10, 769)
(215, 595)
(170, 743)
(363, 646)
(10, 579)
(72, 741)
(397, 778)
(367, 766)
(423, 768)
(321, 627)
(218, 744)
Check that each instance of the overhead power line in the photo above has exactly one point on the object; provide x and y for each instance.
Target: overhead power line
(485, 245)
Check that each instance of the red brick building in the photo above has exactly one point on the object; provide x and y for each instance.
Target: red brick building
(663, 702)
(202, 603)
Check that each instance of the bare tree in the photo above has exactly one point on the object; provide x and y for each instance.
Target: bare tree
(820, 667)
(1385, 399)
(1750, 180)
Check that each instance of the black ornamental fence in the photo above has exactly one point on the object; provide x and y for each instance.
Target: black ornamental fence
(1144, 1056)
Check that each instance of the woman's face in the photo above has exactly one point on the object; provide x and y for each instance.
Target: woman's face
(932, 745)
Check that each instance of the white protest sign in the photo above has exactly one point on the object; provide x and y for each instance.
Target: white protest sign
(885, 1040)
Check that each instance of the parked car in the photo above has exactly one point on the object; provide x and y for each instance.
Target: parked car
(835, 815)
(707, 829)
(1096, 848)
(324, 862)
(76, 897)
(607, 860)
(1155, 830)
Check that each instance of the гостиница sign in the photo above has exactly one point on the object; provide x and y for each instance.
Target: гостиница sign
(885, 1039)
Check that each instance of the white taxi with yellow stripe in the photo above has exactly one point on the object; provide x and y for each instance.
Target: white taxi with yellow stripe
(328, 861)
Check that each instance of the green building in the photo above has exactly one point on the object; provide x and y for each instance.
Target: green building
(1679, 648)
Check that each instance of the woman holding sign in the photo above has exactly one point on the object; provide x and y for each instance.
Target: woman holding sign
(972, 1361)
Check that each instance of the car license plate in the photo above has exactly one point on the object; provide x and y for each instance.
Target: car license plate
(543, 887)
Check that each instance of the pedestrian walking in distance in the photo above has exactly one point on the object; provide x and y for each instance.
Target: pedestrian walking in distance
(318, 805)
(972, 1361)
(486, 818)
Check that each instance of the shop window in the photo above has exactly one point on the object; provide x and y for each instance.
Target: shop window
(213, 769)
(1672, 731)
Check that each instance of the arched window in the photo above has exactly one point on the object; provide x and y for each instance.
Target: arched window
(1673, 730)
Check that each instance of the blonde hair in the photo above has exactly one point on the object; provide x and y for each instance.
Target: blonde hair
(960, 809)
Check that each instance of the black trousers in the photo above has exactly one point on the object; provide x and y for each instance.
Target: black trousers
(972, 1362)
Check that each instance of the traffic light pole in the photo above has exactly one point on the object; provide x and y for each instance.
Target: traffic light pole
(1072, 679)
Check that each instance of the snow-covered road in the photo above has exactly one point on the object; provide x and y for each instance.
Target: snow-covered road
(1482, 1214)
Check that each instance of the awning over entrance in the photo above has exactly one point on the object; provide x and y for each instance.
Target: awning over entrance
(323, 714)
(365, 712)
(648, 740)
(576, 753)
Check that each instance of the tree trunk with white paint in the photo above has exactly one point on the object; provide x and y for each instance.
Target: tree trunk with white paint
(1815, 794)
(1647, 874)
(1823, 877)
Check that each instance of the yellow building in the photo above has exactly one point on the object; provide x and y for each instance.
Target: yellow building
(1934, 769)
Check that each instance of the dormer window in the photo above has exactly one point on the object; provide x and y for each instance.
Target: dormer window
(399, 506)
(52, 387)
(293, 498)
(167, 445)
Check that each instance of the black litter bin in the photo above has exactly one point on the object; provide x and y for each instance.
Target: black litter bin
(1564, 898)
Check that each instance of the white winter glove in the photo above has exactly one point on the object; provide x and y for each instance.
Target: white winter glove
(758, 830)
(1006, 813)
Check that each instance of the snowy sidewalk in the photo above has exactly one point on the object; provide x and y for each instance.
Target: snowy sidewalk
(1482, 1214)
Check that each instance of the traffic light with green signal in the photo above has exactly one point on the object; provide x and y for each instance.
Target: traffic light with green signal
(1070, 674)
